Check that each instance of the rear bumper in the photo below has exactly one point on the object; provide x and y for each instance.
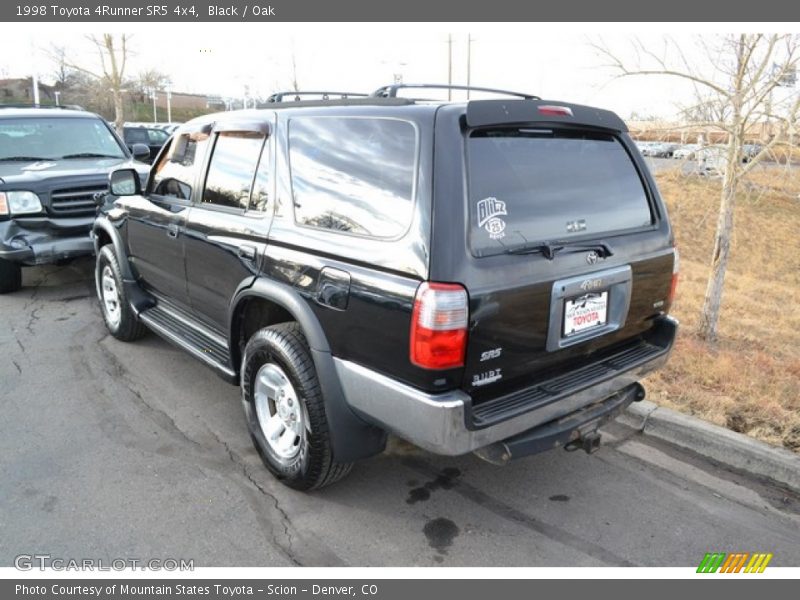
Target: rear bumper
(444, 423)
(42, 240)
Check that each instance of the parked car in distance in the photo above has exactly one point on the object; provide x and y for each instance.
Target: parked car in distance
(491, 276)
(152, 137)
(749, 151)
(712, 160)
(663, 150)
(686, 152)
(53, 163)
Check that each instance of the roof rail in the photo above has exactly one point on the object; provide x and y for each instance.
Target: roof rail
(390, 91)
(293, 96)
(57, 106)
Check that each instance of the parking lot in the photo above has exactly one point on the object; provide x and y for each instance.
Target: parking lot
(137, 450)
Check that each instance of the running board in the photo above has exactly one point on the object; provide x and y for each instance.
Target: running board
(183, 331)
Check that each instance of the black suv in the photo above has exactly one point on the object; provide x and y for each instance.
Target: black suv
(489, 276)
(53, 162)
(152, 137)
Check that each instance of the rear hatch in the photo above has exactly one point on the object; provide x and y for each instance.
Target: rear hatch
(568, 258)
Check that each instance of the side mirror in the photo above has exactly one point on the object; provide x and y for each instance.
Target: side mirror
(124, 182)
(140, 151)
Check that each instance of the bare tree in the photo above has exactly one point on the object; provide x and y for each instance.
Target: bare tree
(295, 84)
(113, 53)
(61, 72)
(152, 79)
(736, 88)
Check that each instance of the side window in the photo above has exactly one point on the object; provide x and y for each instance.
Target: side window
(259, 199)
(354, 175)
(156, 136)
(136, 136)
(175, 173)
(232, 168)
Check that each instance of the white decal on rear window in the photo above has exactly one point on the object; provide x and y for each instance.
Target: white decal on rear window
(489, 211)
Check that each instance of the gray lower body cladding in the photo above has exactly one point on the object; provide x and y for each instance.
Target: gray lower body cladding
(443, 423)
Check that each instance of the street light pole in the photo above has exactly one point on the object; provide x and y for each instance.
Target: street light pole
(34, 75)
(155, 109)
(469, 61)
(449, 65)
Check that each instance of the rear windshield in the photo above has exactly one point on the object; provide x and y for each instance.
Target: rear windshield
(528, 186)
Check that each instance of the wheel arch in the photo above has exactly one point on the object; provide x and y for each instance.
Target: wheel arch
(104, 233)
(352, 438)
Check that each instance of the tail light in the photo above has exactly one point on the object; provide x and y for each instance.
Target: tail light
(674, 285)
(439, 326)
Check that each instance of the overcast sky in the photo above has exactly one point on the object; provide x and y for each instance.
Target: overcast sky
(553, 62)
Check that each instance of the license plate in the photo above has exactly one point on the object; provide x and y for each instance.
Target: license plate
(585, 312)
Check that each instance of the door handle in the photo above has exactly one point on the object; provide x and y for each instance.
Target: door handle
(247, 252)
(172, 230)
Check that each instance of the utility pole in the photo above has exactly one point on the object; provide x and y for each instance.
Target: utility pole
(155, 110)
(57, 95)
(469, 61)
(169, 104)
(35, 76)
(449, 65)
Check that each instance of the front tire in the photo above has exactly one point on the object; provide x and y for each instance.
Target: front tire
(285, 411)
(10, 277)
(118, 315)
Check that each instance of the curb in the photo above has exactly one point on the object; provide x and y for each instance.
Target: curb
(711, 441)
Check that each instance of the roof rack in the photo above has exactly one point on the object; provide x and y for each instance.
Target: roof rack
(296, 96)
(390, 91)
(57, 106)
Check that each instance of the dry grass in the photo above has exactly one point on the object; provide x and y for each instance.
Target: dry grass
(751, 381)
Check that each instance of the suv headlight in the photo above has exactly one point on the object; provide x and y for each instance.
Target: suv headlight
(19, 203)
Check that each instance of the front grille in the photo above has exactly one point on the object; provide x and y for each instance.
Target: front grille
(75, 202)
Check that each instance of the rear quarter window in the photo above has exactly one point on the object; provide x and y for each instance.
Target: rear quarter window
(353, 175)
(528, 186)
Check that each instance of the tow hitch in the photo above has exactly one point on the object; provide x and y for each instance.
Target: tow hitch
(576, 431)
(589, 443)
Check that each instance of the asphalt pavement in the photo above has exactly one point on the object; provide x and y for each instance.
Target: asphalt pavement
(112, 450)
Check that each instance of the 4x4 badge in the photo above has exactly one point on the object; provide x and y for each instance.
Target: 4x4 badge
(489, 211)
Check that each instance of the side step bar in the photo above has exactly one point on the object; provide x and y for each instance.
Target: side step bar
(183, 331)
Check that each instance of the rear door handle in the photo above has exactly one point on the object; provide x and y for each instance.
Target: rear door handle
(247, 252)
(172, 230)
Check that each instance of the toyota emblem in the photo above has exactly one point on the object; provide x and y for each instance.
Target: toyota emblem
(592, 257)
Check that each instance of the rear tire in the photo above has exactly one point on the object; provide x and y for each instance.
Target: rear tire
(10, 277)
(118, 315)
(285, 411)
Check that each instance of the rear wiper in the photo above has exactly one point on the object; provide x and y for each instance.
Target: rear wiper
(22, 158)
(546, 249)
(550, 249)
(89, 155)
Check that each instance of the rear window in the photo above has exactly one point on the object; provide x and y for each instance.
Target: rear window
(353, 175)
(528, 186)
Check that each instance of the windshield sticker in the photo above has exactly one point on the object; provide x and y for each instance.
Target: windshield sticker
(38, 166)
(489, 212)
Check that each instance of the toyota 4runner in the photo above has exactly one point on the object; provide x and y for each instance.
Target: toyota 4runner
(491, 276)
(53, 163)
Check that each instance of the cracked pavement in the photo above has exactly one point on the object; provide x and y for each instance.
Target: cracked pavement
(112, 450)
